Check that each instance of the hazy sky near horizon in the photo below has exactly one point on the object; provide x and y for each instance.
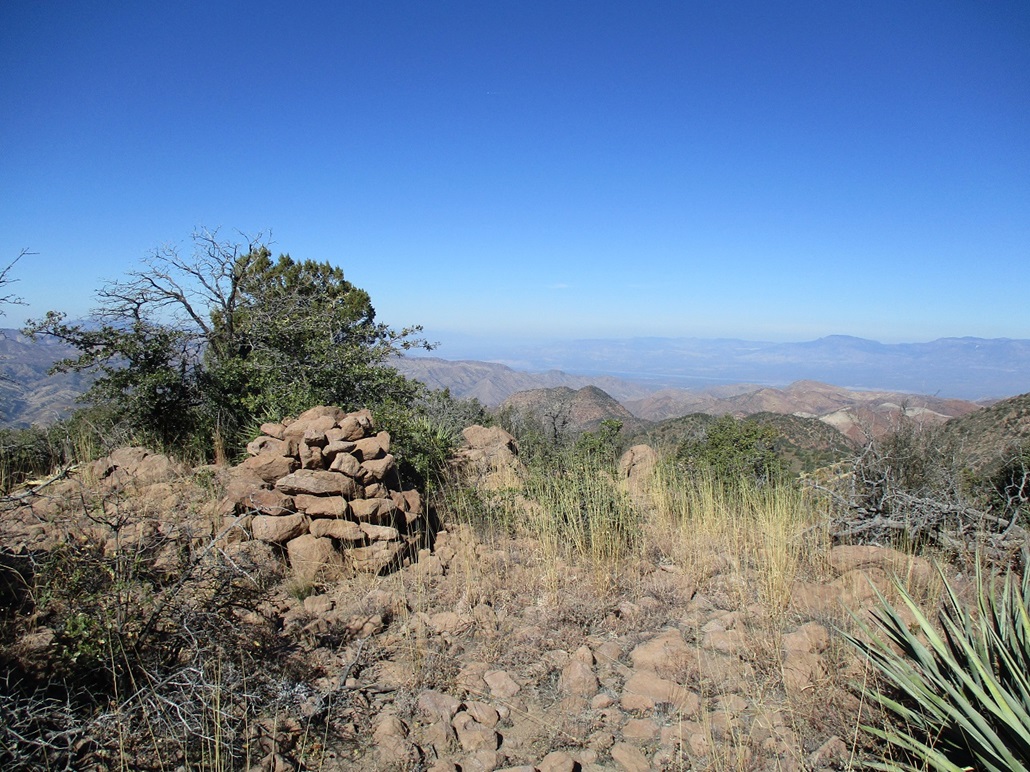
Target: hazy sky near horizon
(773, 171)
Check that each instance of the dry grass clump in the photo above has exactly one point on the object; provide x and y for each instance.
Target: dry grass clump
(770, 531)
(573, 512)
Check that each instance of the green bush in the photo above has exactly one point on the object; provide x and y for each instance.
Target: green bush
(604, 444)
(425, 431)
(27, 453)
(188, 350)
(959, 699)
(733, 450)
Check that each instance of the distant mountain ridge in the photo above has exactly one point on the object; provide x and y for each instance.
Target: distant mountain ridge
(28, 394)
(492, 383)
(31, 396)
(967, 368)
(856, 414)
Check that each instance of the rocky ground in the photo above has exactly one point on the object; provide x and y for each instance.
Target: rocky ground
(476, 650)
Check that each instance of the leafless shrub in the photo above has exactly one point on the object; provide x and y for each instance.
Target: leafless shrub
(38, 730)
(912, 488)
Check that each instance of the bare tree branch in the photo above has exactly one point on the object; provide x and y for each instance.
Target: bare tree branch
(913, 486)
(11, 299)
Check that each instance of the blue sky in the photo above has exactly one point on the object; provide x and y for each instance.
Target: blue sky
(774, 171)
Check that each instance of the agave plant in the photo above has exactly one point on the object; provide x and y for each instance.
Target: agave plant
(959, 693)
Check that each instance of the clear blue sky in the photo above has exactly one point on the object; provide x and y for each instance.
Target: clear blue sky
(766, 170)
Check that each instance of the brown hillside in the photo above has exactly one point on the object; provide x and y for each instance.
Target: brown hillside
(575, 412)
(992, 432)
(804, 443)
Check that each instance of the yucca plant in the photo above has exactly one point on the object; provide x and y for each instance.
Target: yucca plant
(959, 696)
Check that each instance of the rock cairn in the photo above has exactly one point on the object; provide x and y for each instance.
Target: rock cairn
(324, 486)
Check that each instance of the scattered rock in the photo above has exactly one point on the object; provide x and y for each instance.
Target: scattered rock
(502, 685)
(313, 557)
(630, 758)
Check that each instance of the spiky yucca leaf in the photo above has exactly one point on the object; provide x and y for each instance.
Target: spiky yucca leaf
(960, 694)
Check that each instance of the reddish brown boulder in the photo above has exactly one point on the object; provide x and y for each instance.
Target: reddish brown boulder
(270, 467)
(265, 502)
(317, 482)
(312, 557)
(378, 469)
(344, 530)
(380, 511)
(278, 530)
(322, 506)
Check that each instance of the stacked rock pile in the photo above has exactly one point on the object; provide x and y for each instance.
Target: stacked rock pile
(325, 487)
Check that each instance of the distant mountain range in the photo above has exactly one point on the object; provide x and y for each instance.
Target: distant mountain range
(857, 414)
(28, 395)
(817, 423)
(966, 368)
(650, 376)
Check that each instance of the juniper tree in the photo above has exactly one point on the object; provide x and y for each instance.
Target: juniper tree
(192, 345)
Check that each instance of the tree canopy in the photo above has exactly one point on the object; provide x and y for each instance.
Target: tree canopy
(188, 348)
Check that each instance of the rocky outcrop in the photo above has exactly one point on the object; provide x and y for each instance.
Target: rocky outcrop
(325, 487)
(490, 459)
(636, 467)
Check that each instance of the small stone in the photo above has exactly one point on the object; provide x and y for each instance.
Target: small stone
(665, 654)
(345, 463)
(318, 482)
(446, 622)
(322, 506)
(438, 704)
(472, 735)
(502, 686)
(262, 501)
(270, 467)
(380, 532)
(630, 758)
(273, 430)
(311, 556)
(640, 729)
(483, 713)
(310, 456)
(377, 469)
(578, 678)
(374, 510)
(834, 750)
(318, 604)
(272, 445)
(483, 760)
(557, 761)
(644, 690)
(368, 448)
(601, 701)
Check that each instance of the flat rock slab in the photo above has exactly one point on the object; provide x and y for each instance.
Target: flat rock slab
(317, 482)
(278, 530)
